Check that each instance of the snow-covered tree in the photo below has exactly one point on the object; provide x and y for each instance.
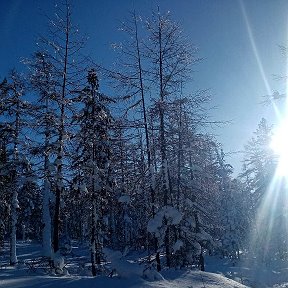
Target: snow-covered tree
(63, 47)
(267, 194)
(42, 80)
(233, 214)
(259, 162)
(4, 184)
(14, 110)
(171, 62)
(93, 160)
(131, 78)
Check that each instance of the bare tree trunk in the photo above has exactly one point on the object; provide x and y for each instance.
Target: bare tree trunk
(93, 236)
(46, 217)
(148, 146)
(59, 176)
(180, 155)
(164, 162)
(14, 206)
(14, 200)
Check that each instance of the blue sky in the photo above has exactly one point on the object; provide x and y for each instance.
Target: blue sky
(237, 39)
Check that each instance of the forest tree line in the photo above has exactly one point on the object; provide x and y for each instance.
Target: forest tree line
(132, 170)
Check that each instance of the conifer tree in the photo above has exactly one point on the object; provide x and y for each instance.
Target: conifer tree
(94, 160)
(14, 109)
(43, 81)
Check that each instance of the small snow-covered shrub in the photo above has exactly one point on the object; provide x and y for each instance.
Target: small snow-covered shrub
(151, 274)
(121, 266)
(59, 263)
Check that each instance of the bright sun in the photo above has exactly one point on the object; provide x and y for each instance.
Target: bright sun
(279, 144)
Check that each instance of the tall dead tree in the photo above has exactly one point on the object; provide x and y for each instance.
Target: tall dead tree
(68, 67)
(171, 58)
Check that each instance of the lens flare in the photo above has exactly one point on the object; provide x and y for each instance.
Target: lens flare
(279, 145)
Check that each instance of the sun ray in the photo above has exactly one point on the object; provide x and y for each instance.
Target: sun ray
(276, 111)
(254, 48)
(273, 198)
(269, 212)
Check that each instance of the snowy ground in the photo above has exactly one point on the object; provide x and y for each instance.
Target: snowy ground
(219, 272)
(17, 278)
(250, 273)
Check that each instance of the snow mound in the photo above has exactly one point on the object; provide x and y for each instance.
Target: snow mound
(151, 274)
(121, 266)
(195, 279)
(14, 278)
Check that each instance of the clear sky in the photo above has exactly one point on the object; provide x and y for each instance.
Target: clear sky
(237, 39)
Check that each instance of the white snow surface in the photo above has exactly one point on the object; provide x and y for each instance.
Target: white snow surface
(16, 278)
(131, 275)
(121, 266)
